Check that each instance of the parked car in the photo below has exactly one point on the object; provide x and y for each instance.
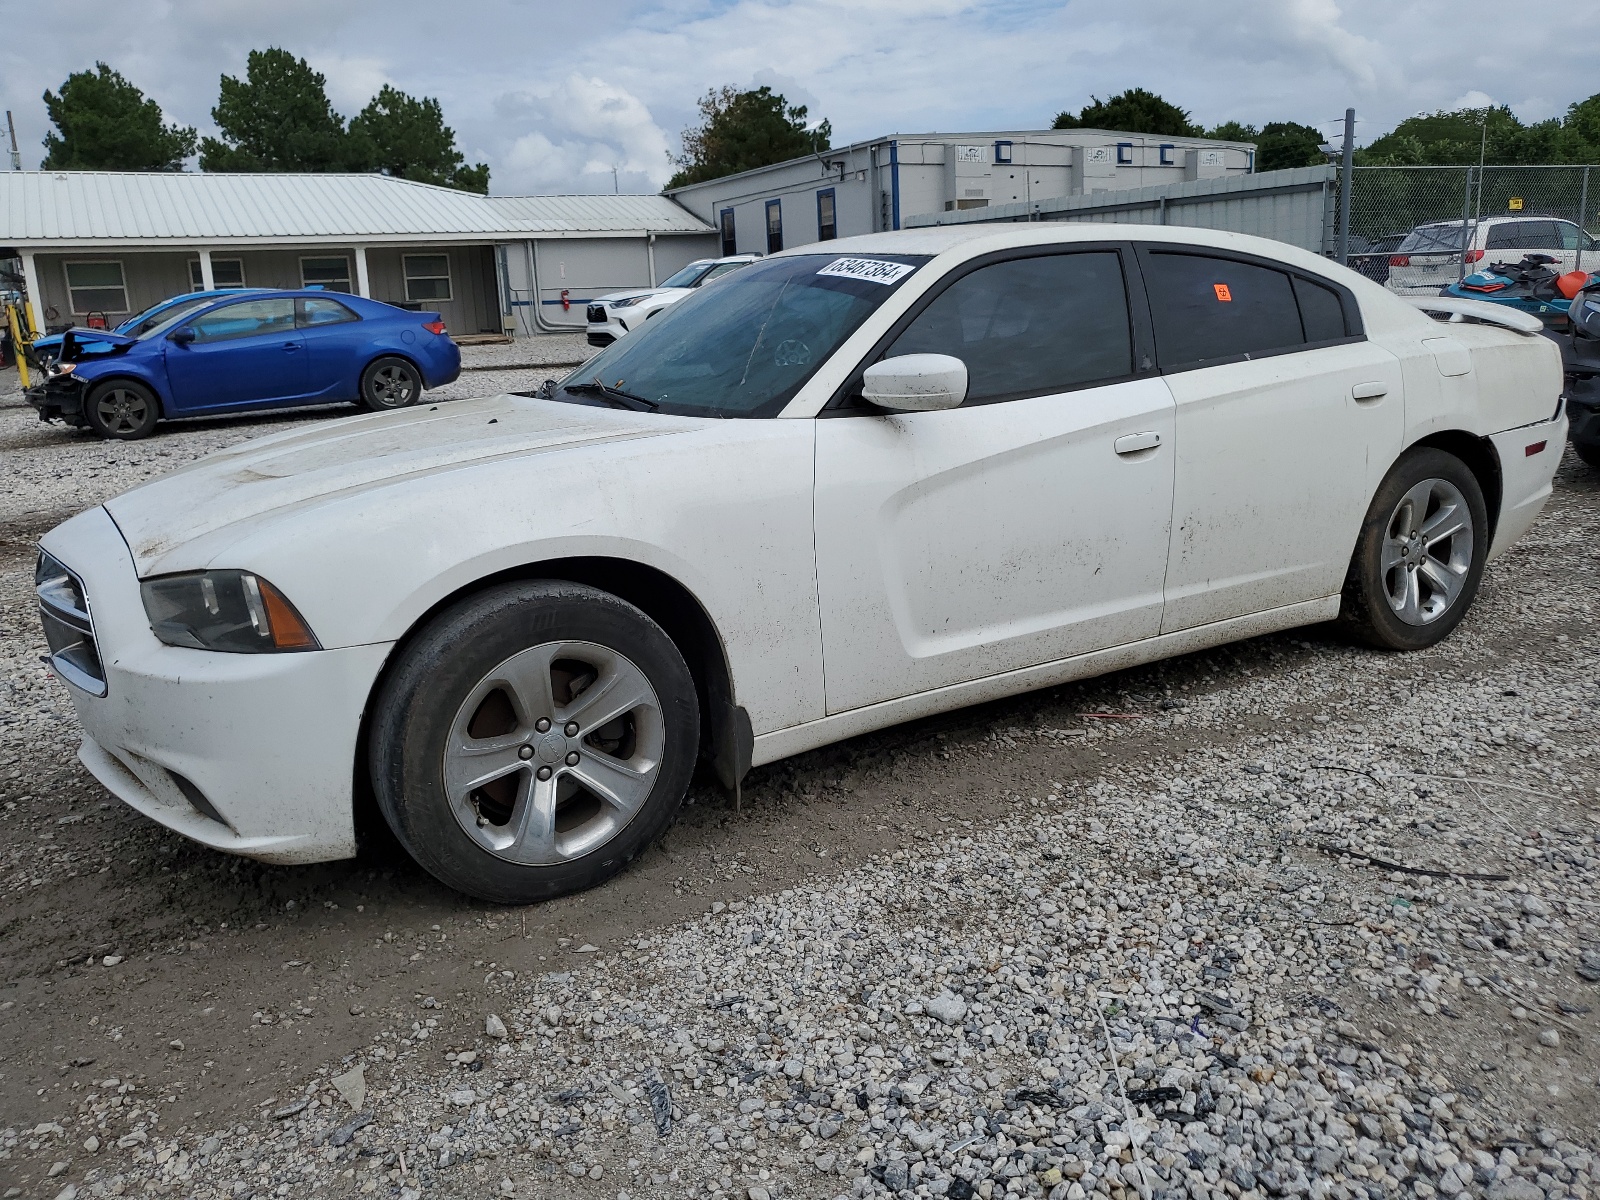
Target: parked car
(953, 464)
(1581, 353)
(1372, 259)
(613, 315)
(47, 349)
(1431, 255)
(243, 353)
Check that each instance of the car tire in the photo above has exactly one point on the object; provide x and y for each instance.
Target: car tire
(122, 410)
(1420, 557)
(474, 763)
(390, 383)
(1589, 453)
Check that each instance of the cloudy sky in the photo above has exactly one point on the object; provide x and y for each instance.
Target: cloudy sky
(555, 95)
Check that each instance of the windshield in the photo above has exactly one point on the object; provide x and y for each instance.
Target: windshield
(746, 346)
(1434, 239)
(687, 277)
(164, 321)
(133, 323)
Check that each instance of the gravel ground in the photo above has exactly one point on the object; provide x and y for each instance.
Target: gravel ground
(1289, 918)
(547, 349)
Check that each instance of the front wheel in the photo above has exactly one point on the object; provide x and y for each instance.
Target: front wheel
(1420, 557)
(122, 409)
(533, 740)
(390, 383)
(1589, 452)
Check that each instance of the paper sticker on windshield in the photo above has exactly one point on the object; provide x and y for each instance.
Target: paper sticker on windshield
(874, 270)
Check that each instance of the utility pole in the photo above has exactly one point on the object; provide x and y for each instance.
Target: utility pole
(1345, 180)
(11, 127)
(614, 189)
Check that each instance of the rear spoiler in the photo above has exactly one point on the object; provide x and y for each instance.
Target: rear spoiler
(1459, 309)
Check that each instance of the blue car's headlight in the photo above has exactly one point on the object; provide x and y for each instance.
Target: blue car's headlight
(232, 611)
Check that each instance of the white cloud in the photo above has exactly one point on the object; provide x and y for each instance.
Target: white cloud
(577, 131)
(1473, 99)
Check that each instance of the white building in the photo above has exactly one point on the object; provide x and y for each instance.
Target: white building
(107, 244)
(871, 186)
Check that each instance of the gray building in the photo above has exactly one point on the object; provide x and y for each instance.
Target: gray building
(103, 245)
(880, 184)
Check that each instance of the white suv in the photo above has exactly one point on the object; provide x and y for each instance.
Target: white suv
(610, 317)
(1431, 256)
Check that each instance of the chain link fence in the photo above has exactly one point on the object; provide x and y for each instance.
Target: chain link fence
(1417, 229)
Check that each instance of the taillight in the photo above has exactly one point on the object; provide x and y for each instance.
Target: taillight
(433, 326)
(1472, 256)
(1399, 260)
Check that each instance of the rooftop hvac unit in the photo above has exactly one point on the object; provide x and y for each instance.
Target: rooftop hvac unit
(968, 176)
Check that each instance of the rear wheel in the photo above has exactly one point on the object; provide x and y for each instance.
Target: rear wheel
(1589, 452)
(122, 409)
(390, 383)
(533, 740)
(1420, 558)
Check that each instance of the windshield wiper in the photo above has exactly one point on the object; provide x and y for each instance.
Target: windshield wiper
(618, 397)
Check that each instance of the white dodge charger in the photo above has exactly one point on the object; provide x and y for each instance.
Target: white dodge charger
(844, 488)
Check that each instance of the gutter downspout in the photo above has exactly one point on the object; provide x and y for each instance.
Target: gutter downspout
(539, 322)
(894, 182)
(650, 251)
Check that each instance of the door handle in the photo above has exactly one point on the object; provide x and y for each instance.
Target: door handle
(291, 347)
(1132, 443)
(1369, 391)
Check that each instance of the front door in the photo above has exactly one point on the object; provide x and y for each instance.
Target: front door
(1287, 420)
(1028, 525)
(247, 352)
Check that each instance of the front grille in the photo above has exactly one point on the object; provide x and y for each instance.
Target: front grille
(68, 628)
(596, 313)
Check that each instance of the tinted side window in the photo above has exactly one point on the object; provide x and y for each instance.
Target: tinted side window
(323, 312)
(249, 318)
(1522, 235)
(1209, 309)
(1030, 326)
(1320, 311)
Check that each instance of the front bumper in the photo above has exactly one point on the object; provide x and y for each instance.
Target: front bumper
(254, 754)
(59, 398)
(603, 333)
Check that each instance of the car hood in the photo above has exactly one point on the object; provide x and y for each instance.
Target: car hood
(167, 522)
(647, 293)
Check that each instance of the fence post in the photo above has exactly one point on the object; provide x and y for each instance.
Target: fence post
(1583, 230)
(1344, 184)
(1466, 213)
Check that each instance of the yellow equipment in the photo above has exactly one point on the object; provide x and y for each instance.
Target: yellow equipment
(21, 339)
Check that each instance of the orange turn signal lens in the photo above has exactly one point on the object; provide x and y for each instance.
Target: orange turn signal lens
(289, 631)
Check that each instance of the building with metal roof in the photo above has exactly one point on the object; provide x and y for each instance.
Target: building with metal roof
(102, 244)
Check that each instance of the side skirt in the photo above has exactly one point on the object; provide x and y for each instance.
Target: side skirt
(781, 743)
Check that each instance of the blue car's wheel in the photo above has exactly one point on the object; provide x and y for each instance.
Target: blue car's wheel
(122, 409)
(390, 383)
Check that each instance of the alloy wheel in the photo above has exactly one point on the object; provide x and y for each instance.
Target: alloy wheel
(392, 386)
(554, 752)
(1427, 551)
(121, 410)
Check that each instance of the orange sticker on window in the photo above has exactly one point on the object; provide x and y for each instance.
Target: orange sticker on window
(1221, 289)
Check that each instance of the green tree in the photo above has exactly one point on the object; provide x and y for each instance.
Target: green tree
(278, 118)
(1133, 111)
(104, 123)
(1285, 144)
(407, 137)
(1233, 131)
(740, 131)
(1579, 138)
(1460, 136)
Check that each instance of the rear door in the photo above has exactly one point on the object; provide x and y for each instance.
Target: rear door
(247, 352)
(1028, 525)
(1287, 418)
(1508, 241)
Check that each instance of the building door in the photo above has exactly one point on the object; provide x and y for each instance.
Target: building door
(774, 226)
(827, 216)
(730, 240)
(1026, 526)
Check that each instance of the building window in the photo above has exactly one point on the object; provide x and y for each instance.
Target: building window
(827, 218)
(225, 273)
(1124, 153)
(1166, 154)
(332, 274)
(1002, 153)
(427, 276)
(774, 226)
(730, 242)
(96, 287)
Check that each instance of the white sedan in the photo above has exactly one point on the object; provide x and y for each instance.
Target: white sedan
(963, 463)
(612, 316)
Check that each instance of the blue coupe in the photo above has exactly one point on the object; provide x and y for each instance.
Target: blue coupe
(243, 353)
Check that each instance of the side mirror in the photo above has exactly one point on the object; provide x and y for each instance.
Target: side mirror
(181, 336)
(916, 383)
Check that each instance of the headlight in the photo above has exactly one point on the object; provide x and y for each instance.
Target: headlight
(60, 368)
(232, 611)
(628, 303)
